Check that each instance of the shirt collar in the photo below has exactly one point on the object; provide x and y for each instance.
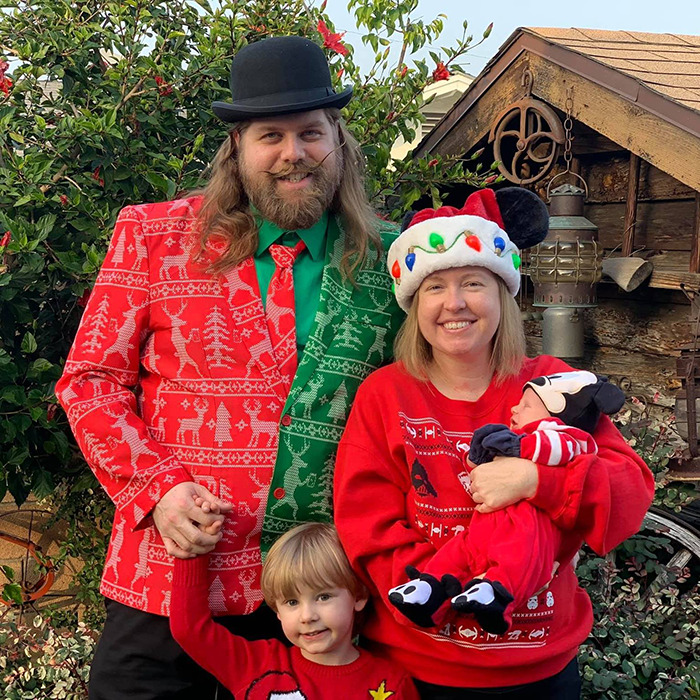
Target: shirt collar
(314, 237)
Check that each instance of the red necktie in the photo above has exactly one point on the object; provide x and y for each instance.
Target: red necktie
(281, 321)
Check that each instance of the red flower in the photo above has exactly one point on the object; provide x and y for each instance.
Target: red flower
(490, 179)
(441, 72)
(64, 200)
(164, 88)
(5, 240)
(5, 82)
(390, 116)
(433, 163)
(340, 72)
(96, 176)
(51, 412)
(403, 71)
(82, 302)
(332, 40)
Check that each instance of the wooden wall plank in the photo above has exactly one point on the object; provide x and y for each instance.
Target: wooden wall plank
(606, 176)
(666, 225)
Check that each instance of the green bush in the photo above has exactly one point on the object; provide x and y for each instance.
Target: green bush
(37, 661)
(645, 642)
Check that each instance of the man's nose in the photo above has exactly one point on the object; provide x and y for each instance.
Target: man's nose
(293, 149)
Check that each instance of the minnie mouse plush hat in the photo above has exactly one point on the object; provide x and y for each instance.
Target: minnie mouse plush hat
(279, 75)
(489, 231)
(577, 398)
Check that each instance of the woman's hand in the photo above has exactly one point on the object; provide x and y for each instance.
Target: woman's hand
(503, 482)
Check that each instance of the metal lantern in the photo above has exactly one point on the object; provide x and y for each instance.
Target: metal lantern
(566, 266)
(564, 269)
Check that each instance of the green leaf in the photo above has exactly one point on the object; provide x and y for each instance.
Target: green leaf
(12, 593)
(29, 343)
(43, 484)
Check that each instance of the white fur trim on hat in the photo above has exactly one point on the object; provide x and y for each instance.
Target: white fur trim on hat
(441, 243)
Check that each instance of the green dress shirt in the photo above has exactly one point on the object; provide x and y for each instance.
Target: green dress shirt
(307, 270)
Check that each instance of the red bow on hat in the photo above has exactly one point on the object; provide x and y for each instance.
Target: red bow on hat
(481, 203)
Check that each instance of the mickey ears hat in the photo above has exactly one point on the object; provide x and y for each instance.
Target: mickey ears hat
(489, 231)
(577, 398)
(276, 76)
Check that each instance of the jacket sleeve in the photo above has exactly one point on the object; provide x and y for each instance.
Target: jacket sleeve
(101, 373)
(371, 486)
(602, 496)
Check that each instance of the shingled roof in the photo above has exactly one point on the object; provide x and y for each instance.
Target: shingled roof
(666, 63)
(640, 90)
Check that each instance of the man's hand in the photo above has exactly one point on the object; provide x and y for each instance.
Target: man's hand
(503, 482)
(187, 530)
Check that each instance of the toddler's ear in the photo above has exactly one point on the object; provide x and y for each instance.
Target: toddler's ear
(360, 603)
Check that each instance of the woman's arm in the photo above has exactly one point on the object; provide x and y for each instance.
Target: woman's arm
(603, 496)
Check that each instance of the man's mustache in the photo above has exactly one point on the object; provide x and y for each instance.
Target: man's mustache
(303, 167)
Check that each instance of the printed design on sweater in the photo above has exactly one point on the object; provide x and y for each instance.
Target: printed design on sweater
(381, 693)
(275, 685)
(421, 482)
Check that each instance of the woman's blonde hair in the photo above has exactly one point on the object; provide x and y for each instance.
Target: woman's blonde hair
(225, 211)
(308, 555)
(507, 349)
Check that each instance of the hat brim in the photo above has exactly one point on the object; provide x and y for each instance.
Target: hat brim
(236, 111)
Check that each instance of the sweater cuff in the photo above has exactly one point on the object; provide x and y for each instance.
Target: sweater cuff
(188, 573)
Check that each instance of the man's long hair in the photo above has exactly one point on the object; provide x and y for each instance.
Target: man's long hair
(225, 211)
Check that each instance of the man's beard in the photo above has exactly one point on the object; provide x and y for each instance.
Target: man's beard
(297, 210)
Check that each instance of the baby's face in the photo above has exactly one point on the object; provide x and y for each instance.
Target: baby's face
(529, 409)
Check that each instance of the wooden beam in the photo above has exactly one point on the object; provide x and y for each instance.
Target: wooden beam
(631, 210)
(660, 142)
(695, 250)
(664, 279)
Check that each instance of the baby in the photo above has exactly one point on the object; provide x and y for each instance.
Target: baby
(510, 554)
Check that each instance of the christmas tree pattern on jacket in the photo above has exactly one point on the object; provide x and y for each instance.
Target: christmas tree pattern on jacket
(210, 400)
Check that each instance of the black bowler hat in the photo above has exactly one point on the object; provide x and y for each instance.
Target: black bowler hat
(279, 75)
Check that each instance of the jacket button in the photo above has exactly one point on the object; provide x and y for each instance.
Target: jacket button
(278, 493)
(286, 419)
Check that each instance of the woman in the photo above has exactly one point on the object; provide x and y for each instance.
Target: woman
(403, 484)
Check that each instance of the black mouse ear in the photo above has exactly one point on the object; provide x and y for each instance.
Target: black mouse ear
(406, 221)
(609, 398)
(524, 214)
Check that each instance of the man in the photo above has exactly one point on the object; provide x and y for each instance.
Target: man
(218, 356)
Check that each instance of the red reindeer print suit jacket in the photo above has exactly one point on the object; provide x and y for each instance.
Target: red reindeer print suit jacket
(171, 379)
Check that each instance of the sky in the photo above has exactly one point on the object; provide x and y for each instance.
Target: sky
(672, 16)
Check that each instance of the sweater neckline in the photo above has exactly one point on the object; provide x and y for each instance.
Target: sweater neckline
(482, 406)
(320, 670)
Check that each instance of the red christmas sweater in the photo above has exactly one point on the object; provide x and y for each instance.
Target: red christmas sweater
(267, 669)
(400, 494)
